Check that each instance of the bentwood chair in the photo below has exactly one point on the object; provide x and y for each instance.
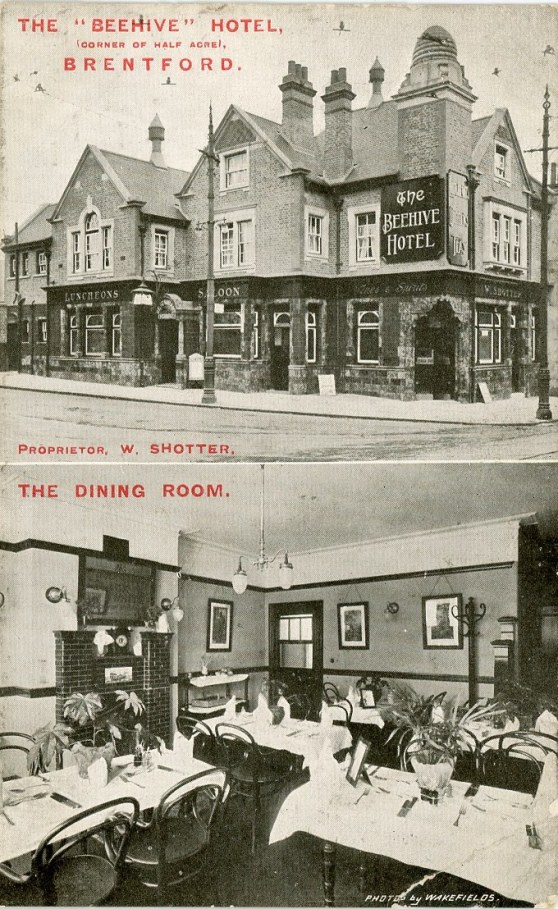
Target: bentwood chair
(205, 745)
(70, 864)
(509, 761)
(331, 693)
(341, 712)
(175, 846)
(14, 748)
(256, 773)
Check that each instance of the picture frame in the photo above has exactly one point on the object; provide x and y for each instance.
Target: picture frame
(358, 757)
(95, 601)
(219, 625)
(118, 675)
(441, 629)
(352, 626)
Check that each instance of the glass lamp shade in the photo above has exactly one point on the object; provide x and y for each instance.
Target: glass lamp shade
(166, 604)
(178, 613)
(240, 579)
(142, 296)
(286, 572)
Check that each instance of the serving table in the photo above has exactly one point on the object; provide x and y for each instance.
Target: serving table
(213, 704)
(302, 737)
(367, 716)
(30, 820)
(488, 846)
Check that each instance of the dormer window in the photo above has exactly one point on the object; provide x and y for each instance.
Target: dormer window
(234, 170)
(501, 162)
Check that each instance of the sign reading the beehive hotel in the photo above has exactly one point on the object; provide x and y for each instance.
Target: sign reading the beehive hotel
(412, 226)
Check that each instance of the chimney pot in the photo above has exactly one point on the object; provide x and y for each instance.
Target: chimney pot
(292, 67)
(334, 76)
(305, 73)
(342, 75)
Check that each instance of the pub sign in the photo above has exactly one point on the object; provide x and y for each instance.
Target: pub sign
(412, 228)
(458, 219)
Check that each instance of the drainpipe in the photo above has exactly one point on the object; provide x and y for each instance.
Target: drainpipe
(32, 336)
(47, 353)
(339, 352)
(18, 300)
(473, 180)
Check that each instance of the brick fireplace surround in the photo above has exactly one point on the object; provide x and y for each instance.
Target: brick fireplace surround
(79, 668)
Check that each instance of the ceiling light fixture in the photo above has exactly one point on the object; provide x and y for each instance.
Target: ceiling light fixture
(240, 577)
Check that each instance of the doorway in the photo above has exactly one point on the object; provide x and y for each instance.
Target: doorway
(515, 354)
(280, 351)
(13, 346)
(168, 347)
(296, 650)
(435, 347)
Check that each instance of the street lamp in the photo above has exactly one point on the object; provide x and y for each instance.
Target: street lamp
(543, 410)
(208, 396)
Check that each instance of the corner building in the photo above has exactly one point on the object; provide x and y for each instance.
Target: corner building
(398, 250)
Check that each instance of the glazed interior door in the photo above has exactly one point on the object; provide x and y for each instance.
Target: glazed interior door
(168, 346)
(280, 351)
(296, 649)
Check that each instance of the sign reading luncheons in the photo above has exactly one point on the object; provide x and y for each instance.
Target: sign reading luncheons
(412, 227)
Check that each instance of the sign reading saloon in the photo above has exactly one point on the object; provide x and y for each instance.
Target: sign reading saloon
(412, 227)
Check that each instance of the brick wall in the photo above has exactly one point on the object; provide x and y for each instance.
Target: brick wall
(420, 140)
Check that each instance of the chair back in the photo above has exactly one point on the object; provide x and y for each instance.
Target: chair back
(14, 748)
(114, 819)
(205, 743)
(509, 760)
(331, 693)
(199, 801)
(300, 705)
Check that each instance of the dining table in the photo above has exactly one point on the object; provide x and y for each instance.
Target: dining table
(484, 836)
(35, 805)
(303, 737)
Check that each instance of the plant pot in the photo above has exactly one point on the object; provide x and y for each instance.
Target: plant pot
(432, 778)
(85, 756)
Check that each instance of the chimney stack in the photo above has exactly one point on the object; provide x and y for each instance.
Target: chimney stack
(377, 73)
(298, 106)
(338, 147)
(156, 137)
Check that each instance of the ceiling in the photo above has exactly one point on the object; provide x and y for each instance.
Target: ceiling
(308, 506)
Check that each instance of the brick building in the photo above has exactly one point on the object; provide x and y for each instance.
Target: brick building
(398, 249)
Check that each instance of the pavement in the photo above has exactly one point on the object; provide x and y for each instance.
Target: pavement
(515, 411)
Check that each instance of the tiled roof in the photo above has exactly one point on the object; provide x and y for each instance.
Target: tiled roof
(156, 186)
(36, 228)
(477, 129)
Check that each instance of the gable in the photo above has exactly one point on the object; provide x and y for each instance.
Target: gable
(235, 133)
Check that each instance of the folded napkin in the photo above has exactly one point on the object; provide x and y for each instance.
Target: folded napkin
(325, 771)
(98, 773)
(101, 640)
(262, 714)
(547, 723)
(353, 696)
(230, 710)
(547, 790)
(283, 702)
(183, 748)
(326, 716)
(511, 725)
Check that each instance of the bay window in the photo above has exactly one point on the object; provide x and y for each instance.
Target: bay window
(506, 237)
(315, 234)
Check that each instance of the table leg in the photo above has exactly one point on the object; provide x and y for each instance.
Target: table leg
(328, 871)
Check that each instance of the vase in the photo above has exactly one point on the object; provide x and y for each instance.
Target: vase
(432, 779)
(85, 755)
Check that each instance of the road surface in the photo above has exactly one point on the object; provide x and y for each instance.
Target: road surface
(116, 431)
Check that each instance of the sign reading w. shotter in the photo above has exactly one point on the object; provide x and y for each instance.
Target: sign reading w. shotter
(412, 226)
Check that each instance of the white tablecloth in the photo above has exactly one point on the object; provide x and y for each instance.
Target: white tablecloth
(489, 847)
(33, 819)
(297, 736)
(367, 716)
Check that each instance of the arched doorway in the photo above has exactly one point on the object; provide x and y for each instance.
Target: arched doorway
(280, 350)
(435, 352)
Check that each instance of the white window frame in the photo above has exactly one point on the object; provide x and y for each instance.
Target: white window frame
(255, 339)
(41, 263)
(238, 327)
(93, 328)
(25, 331)
(311, 212)
(372, 325)
(12, 266)
(24, 265)
(501, 161)
(533, 334)
(73, 334)
(224, 172)
(494, 326)
(161, 249)
(86, 253)
(500, 217)
(227, 224)
(353, 213)
(311, 325)
(42, 330)
(116, 333)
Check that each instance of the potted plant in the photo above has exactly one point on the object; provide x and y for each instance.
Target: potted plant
(272, 690)
(49, 743)
(523, 704)
(431, 733)
(107, 723)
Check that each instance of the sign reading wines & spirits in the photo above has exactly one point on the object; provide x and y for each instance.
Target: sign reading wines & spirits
(458, 219)
(412, 228)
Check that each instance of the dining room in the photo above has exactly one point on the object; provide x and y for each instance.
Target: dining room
(222, 697)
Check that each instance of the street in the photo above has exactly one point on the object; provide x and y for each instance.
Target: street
(114, 431)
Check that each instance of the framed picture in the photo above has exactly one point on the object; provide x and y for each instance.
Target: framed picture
(441, 630)
(118, 675)
(95, 601)
(352, 623)
(358, 758)
(219, 624)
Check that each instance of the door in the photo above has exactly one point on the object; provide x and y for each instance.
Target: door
(435, 344)
(280, 351)
(296, 650)
(168, 346)
(515, 354)
(13, 346)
